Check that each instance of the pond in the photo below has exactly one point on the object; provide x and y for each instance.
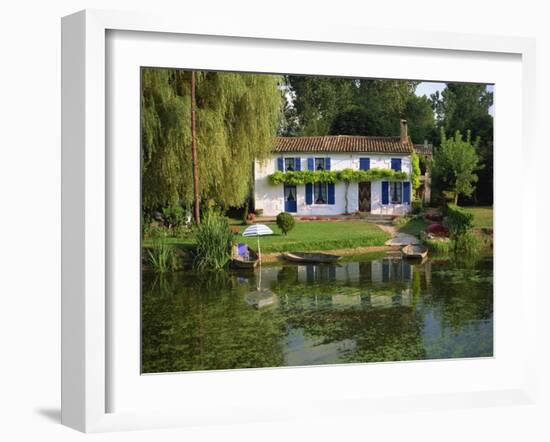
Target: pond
(362, 310)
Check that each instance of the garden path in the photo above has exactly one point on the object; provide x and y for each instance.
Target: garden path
(398, 238)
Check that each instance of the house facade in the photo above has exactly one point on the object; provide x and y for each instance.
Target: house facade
(336, 153)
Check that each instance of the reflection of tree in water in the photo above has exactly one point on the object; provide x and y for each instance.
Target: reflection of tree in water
(205, 325)
(460, 295)
(377, 310)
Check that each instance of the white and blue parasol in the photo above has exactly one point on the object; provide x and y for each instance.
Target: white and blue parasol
(258, 230)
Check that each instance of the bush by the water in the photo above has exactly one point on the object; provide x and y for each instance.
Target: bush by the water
(438, 245)
(162, 257)
(458, 221)
(213, 242)
(285, 221)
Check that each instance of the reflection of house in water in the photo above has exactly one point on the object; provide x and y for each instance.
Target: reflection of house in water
(379, 271)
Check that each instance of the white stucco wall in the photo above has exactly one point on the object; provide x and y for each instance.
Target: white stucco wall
(270, 197)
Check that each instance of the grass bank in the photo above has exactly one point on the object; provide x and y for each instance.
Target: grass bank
(483, 216)
(307, 236)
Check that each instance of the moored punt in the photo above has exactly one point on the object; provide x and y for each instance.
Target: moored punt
(310, 257)
(243, 259)
(414, 251)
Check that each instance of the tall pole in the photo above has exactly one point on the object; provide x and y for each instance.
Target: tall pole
(196, 199)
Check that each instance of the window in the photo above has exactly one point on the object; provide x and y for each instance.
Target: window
(319, 164)
(396, 164)
(290, 164)
(396, 192)
(290, 193)
(321, 193)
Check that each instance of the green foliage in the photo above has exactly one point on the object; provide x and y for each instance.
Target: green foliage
(380, 105)
(333, 176)
(455, 163)
(466, 107)
(458, 221)
(420, 117)
(285, 222)
(162, 257)
(442, 246)
(174, 215)
(317, 100)
(415, 173)
(237, 117)
(213, 240)
(417, 206)
(467, 243)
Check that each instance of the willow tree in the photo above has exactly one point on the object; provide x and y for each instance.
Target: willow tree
(237, 117)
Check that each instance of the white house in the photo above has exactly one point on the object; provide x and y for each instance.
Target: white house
(336, 152)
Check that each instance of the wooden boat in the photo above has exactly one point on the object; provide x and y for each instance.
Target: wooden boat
(240, 262)
(414, 251)
(310, 257)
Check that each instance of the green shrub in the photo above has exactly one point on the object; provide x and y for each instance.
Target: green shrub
(174, 215)
(468, 244)
(442, 246)
(155, 232)
(213, 242)
(162, 257)
(286, 222)
(458, 221)
(417, 206)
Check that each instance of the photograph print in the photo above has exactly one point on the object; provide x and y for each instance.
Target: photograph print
(301, 220)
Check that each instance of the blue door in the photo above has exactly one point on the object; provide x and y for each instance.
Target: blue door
(290, 198)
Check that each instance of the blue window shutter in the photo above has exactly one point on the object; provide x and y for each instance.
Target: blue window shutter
(406, 192)
(280, 164)
(385, 193)
(331, 193)
(309, 193)
(297, 164)
(364, 163)
(310, 164)
(327, 163)
(396, 164)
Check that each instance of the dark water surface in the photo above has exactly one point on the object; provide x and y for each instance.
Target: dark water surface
(384, 309)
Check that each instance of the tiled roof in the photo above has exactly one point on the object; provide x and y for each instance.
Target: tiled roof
(424, 149)
(343, 143)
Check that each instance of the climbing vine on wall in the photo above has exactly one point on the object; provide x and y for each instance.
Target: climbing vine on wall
(333, 176)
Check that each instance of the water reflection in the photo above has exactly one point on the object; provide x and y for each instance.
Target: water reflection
(361, 311)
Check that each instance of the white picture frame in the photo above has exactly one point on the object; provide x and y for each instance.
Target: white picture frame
(86, 206)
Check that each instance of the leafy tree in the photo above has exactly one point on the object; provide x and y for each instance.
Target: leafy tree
(466, 107)
(377, 107)
(237, 118)
(316, 101)
(420, 117)
(455, 164)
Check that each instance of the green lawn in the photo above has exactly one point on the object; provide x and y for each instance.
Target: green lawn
(483, 216)
(414, 226)
(309, 235)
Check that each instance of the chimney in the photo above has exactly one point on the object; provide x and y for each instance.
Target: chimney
(404, 132)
